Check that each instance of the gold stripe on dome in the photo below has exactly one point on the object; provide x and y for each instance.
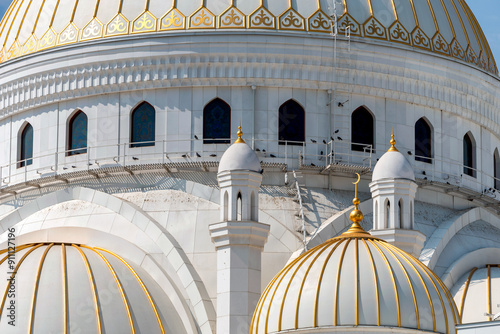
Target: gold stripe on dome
(65, 288)
(415, 16)
(489, 290)
(261, 18)
(319, 22)
(117, 26)
(93, 288)
(436, 25)
(337, 287)
(356, 281)
(48, 40)
(173, 20)
(146, 22)
(374, 29)
(30, 45)
(141, 283)
(375, 280)
(347, 21)
(92, 30)
(24, 18)
(398, 33)
(440, 45)
(35, 291)
(420, 39)
(456, 50)
(69, 35)
(202, 19)
(471, 23)
(232, 18)
(461, 21)
(291, 20)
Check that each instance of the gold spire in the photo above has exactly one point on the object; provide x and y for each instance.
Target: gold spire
(239, 133)
(393, 143)
(356, 217)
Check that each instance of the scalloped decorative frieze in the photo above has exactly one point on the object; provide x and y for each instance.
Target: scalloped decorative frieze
(173, 20)
(232, 18)
(319, 22)
(420, 39)
(146, 22)
(456, 50)
(118, 25)
(262, 18)
(440, 45)
(346, 21)
(68, 35)
(202, 19)
(398, 33)
(374, 29)
(291, 20)
(48, 40)
(92, 30)
(30, 45)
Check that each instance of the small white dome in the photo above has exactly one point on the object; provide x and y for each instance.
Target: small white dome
(239, 156)
(393, 165)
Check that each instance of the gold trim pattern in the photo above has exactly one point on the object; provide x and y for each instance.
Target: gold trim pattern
(398, 33)
(420, 39)
(261, 18)
(173, 20)
(456, 50)
(374, 29)
(440, 45)
(117, 26)
(319, 22)
(146, 22)
(48, 40)
(232, 18)
(30, 45)
(348, 21)
(202, 19)
(92, 30)
(291, 20)
(68, 35)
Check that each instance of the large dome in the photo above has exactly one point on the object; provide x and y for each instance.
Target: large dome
(91, 290)
(355, 280)
(443, 27)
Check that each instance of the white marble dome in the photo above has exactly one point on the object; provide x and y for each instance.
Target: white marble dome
(355, 280)
(83, 289)
(393, 165)
(447, 28)
(239, 156)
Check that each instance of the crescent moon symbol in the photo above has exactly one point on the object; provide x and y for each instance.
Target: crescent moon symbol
(359, 178)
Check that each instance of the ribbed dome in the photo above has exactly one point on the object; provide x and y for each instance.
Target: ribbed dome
(444, 27)
(478, 292)
(89, 290)
(355, 280)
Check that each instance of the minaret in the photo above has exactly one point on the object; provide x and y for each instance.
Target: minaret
(393, 191)
(239, 238)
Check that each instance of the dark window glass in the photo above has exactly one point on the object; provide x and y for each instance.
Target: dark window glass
(496, 168)
(291, 123)
(26, 146)
(469, 156)
(216, 122)
(361, 129)
(78, 134)
(143, 126)
(423, 144)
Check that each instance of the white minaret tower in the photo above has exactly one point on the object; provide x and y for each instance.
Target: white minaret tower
(393, 191)
(239, 238)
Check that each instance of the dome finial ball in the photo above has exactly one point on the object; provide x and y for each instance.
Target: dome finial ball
(239, 133)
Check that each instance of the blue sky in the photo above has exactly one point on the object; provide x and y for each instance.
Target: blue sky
(486, 11)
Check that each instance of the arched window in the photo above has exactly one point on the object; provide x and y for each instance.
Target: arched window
(469, 155)
(77, 137)
(496, 169)
(239, 207)
(216, 122)
(142, 126)
(387, 217)
(26, 146)
(362, 130)
(291, 123)
(423, 141)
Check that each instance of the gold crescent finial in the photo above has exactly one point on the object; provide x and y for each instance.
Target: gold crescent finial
(239, 133)
(393, 143)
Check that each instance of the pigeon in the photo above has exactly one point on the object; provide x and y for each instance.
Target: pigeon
(423, 172)
(332, 138)
(257, 149)
(184, 155)
(264, 151)
(314, 141)
(272, 155)
(337, 131)
(339, 138)
(409, 152)
(135, 158)
(195, 137)
(324, 141)
(213, 155)
(198, 155)
(313, 165)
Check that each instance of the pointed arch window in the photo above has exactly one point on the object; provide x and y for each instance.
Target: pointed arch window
(216, 122)
(469, 155)
(496, 168)
(142, 126)
(26, 146)
(423, 141)
(77, 137)
(362, 133)
(291, 123)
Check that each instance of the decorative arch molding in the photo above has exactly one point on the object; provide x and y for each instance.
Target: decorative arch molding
(438, 241)
(478, 258)
(152, 234)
